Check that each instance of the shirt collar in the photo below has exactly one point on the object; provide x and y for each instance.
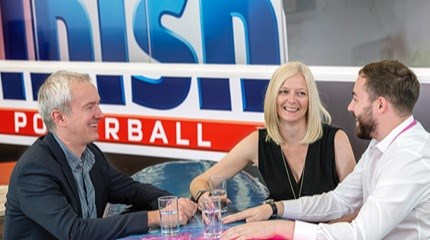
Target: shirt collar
(383, 145)
(89, 158)
(73, 160)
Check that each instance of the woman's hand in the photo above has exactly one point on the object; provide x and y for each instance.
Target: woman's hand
(262, 212)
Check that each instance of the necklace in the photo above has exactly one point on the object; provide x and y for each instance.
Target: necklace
(289, 178)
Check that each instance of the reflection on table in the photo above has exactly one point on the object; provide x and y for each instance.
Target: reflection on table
(244, 191)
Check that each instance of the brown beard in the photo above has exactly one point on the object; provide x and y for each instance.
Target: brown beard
(366, 124)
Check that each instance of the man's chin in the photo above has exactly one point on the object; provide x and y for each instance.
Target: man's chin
(95, 137)
(362, 136)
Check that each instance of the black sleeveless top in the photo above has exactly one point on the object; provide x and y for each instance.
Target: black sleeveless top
(320, 168)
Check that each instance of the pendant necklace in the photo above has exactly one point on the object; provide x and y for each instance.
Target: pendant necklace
(289, 178)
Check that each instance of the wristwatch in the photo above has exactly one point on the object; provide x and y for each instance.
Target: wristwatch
(272, 203)
(198, 195)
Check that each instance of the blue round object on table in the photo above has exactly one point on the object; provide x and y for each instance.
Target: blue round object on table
(244, 190)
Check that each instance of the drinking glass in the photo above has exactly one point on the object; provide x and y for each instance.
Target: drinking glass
(218, 187)
(169, 217)
(211, 217)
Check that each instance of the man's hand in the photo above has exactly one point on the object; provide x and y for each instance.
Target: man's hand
(272, 229)
(186, 209)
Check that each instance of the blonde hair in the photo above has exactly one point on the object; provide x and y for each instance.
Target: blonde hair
(316, 114)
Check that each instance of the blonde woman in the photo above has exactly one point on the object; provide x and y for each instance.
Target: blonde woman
(298, 153)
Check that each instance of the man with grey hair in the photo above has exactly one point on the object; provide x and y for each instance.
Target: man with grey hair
(60, 186)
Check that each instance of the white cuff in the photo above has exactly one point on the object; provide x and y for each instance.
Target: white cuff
(305, 231)
(292, 209)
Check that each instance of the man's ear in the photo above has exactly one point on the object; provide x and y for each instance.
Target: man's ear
(382, 104)
(58, 118)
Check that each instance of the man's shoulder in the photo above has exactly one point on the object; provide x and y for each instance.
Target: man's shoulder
(411, 146)
(416, 138)
(39, 155)
(94, 148)
(38, 148)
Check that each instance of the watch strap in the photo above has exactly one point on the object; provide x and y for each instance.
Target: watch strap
(274, 208)
(198, 195)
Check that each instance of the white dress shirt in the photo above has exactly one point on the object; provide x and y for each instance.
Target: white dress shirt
(391, 184)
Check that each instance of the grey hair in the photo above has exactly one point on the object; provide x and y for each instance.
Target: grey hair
(56, 94)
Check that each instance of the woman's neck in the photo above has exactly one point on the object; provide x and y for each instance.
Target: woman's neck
(293, 133)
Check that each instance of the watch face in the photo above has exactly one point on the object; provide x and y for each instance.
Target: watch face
(268, 201)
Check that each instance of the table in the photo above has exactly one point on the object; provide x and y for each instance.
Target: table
(191, 231)
(244, 190)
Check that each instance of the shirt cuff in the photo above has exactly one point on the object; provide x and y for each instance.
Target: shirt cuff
(305, 231)
(292, 209)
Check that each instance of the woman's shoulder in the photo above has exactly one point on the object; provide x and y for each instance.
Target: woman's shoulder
(329, 131)
(262, 130)
(330, 128)
(262, 133)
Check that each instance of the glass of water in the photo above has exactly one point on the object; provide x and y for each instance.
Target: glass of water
(211, 217)
(218, 187)
(169, 217)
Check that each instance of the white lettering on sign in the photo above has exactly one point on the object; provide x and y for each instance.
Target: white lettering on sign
(158, 133)
(38, 126)
(111, 128)
(135, 133)
(179, 140)
(20, 120)
(130, 130)
(200, 141)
